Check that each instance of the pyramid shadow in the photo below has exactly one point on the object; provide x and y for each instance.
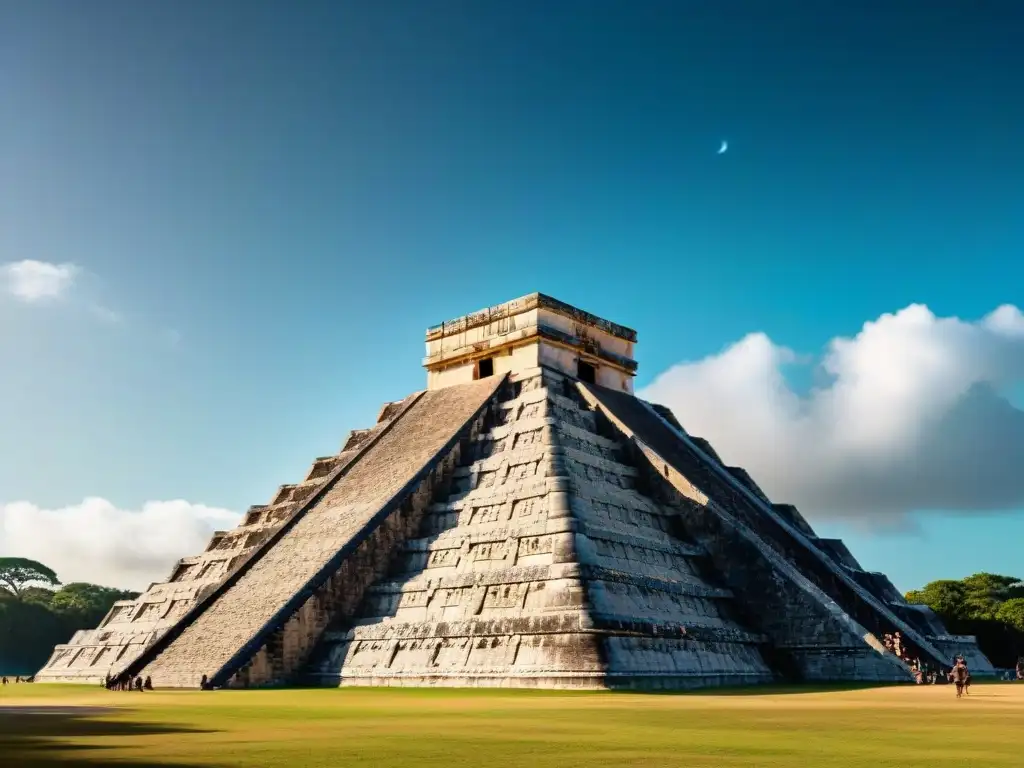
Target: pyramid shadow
(31, 736)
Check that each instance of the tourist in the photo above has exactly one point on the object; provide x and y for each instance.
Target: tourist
(1020, 668)
(958, 675)
(5, 679)
(138, 683)
(148, 684)
(204, 684)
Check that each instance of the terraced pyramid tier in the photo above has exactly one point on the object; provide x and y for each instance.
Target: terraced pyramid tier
(546, 566)
(264, 619)
(526, 521)
(132, 626)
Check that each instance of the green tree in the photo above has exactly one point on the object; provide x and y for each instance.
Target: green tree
(28, 632)
(946, 597)
(39, 619)
(1012, 612)
(990, 583)
(38, 595)
(17, 573)
(986, 605)
(86, 602)
(985, 593)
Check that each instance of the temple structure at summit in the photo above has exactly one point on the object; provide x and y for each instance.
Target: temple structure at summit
(523, 521)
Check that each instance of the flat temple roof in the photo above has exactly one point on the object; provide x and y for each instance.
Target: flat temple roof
(523, 304)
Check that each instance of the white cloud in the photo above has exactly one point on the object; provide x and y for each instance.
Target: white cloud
(97, 542)
(37, 281)
(907, 416)
(1007, 320)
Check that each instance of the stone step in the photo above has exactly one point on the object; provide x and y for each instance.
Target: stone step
(795, 591)
(501, 531)
(424, 582)
(555, 622)
(232, 626)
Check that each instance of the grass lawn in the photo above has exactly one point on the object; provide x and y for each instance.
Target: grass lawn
(903, 727)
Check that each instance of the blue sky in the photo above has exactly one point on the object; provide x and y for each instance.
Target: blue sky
(265, 205)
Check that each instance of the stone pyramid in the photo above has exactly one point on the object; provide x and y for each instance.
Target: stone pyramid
(525, 521)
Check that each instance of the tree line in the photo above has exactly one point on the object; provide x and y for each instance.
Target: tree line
(986, 605)
(37, 612)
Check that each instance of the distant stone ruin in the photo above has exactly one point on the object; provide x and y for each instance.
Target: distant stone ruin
(524, 521)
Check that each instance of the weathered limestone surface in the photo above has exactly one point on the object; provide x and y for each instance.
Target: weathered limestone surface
(546, 566)
(518, 525)
(825, 616)
(132, 626)
(224, 628)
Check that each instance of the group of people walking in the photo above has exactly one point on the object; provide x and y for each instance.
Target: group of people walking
(959, 674)
(19, 679)
(924, 674)
(894, 644)
(124, 682)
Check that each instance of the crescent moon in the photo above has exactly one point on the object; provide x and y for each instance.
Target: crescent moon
(724, 148)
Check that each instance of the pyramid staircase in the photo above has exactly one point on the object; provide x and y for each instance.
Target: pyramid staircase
(570, 554)
(547, 565)
(259, 625)
(518, 525)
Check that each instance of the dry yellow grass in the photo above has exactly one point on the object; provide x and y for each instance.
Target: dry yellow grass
(905, 726)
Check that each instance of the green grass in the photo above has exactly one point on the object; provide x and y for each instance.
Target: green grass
(904, 726)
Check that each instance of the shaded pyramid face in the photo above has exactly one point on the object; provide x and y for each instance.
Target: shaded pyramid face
(545, 564)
